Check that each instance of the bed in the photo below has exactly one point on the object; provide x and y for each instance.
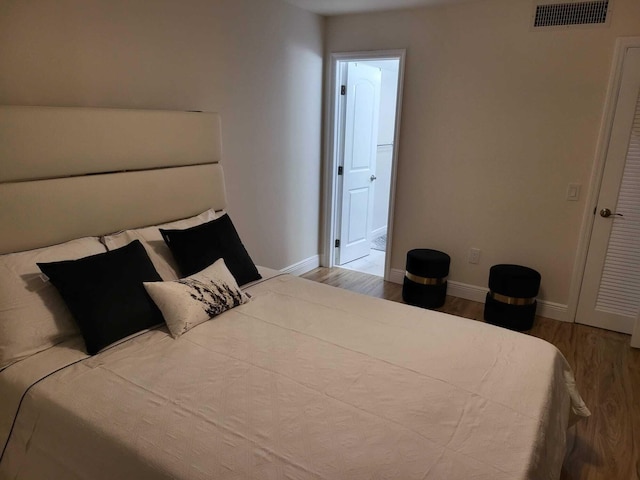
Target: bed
(295, 380)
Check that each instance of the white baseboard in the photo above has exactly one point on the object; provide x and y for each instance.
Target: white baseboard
(396, 276)
(303, 266)
(556, 311)
(466, 291)
(635, 336)
(378, 231)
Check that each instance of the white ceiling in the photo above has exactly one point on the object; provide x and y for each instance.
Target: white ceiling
(339, 7)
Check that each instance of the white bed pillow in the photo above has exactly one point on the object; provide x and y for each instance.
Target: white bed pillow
(153, 243)
(33, 316)
(193, 300)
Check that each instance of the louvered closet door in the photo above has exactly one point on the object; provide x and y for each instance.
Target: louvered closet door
(610, 294)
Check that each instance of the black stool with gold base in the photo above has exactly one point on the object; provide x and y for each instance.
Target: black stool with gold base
(511, 301)
(425, 281)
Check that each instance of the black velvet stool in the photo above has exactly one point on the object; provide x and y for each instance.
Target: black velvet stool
(511, 301)
(425, 281)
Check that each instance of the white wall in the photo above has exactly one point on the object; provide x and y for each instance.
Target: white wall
(384, 157)
(257, 62)
(386, 133)
(388, 88)
(497, 121)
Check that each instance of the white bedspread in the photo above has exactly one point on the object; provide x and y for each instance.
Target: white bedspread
(304, 382)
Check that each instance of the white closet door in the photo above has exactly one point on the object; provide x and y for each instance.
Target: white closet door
(610, 294)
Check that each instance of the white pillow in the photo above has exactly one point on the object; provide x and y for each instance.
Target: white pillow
(33, 316)
(193, 300)
(155, 246)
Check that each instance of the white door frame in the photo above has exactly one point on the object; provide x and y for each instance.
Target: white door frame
(588, 218)
(332, 150)
(635, 336)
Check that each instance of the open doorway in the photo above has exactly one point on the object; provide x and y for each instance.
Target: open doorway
(364, 123)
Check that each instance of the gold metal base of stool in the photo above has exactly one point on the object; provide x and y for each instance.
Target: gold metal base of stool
(425, 280)
(512, 300)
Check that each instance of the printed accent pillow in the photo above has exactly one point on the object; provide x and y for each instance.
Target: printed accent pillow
(193, 300)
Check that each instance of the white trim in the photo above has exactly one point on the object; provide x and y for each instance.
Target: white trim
(635, 336)
(394, 163)
(396, 276)
(613, 90)
(556, 311)
(303, 266)
(466, 291)
(378, 231)
(327, 257)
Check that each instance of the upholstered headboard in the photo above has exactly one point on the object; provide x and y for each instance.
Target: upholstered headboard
(73, 172)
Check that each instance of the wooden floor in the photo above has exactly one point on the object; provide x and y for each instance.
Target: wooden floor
(606, 446)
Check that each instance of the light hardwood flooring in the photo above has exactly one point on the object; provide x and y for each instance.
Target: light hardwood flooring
(606, 446)
(372, 264)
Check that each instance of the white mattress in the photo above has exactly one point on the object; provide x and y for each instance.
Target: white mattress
(305, 381)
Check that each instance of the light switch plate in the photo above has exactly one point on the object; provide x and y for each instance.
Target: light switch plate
(573, 192)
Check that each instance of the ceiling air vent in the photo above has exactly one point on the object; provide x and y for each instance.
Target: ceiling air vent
(571, 14)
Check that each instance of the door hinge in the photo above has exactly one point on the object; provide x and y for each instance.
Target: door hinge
(337, 243)
(343, 90)
(340, 170)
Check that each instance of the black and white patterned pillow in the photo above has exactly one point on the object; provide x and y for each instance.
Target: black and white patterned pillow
(193, 300)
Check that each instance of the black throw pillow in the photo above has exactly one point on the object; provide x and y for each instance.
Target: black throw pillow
(105, 293)
(198, 247)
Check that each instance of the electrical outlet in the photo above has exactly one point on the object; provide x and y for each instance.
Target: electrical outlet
(474, 255)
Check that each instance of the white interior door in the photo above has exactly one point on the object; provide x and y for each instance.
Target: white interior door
(610, 293)
(359, 160)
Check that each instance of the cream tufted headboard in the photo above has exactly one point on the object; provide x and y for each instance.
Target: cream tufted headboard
(72, 172)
